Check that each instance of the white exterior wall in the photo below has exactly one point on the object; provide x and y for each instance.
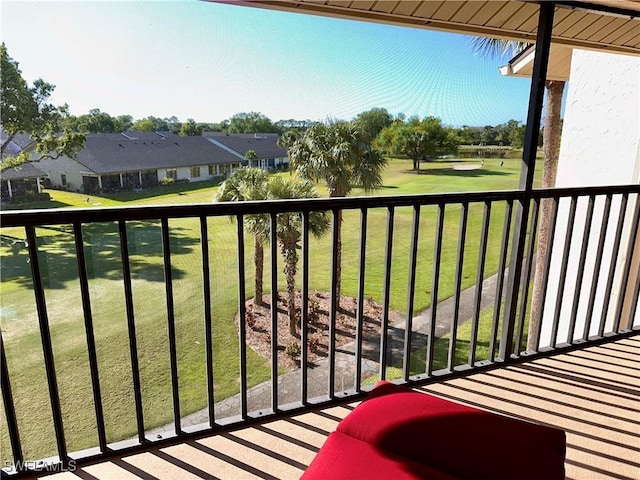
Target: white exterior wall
(600, 146)
(185, 173)
(63, 165)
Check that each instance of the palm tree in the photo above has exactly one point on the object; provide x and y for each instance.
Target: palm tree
(250, 184)
(251, 155)
(551, 147)
(289, 232)
(341, 154)
(287, 139)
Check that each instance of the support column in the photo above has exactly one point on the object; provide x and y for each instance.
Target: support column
(9, 188)
(100, 182)
(140, 178)
(527, 170)
(121, 184)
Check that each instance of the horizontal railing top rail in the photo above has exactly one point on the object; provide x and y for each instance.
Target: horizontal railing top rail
(106, 214)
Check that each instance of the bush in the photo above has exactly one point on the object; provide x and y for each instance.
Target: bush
(31, 197)
(293, 350)
(314, 343)
(168, 181)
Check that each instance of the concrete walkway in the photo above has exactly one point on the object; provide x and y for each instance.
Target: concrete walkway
(289, 384)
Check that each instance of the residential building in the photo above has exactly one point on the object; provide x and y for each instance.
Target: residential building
(268, 154)
(113, 162)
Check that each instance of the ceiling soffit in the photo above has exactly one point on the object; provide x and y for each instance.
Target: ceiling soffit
(576, 24)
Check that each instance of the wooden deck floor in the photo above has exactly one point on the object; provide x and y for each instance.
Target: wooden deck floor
(593, 394)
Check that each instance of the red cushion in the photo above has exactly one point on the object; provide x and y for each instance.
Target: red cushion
(460, 440)
(343, 457)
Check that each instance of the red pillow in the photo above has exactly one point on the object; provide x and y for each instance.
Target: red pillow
(462, 441)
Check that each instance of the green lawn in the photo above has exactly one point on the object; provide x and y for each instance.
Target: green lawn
(19, 321)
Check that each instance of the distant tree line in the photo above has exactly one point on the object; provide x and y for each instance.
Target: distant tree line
(414, 137)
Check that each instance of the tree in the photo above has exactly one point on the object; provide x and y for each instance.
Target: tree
(289, 232)
(418, 139)
(251, 156)
(190, 129)
(251, 122)
(373, 121)
(24, 109)
(288, 139)
(552, 131)
(150, 124)
(246, 184)
(341, 154)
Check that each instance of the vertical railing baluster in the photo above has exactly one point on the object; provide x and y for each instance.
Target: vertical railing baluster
(171, 325)
(482, 255)
(360, 311)
(588, 321)
(90, 337)
(633, 236)
(526, 276)
(335, 240)
(563, 271)
(386, 295)
(500, 280)
(462, 235)
(208, 328)
(437, 256)
(274, 310)
(634, 300)
(304, 311)
(242, 325)
(131, 327)
(413, 259)
(47, 348)
(580, 276)
(547, 268)
(9, 410)
(612, 268)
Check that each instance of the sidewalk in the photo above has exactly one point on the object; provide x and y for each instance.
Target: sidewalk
(289, 389)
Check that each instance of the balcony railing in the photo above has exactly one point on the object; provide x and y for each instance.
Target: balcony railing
(440, 247)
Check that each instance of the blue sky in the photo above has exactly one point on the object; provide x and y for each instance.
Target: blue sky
(208, 61)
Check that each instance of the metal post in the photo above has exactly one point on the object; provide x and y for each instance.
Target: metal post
(536, 97)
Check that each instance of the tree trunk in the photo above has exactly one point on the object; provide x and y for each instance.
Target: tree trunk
(290, 268)
(258, 258)
(339, 259)
(336, 191)
(551, 148)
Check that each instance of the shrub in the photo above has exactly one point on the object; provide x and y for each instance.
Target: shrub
(31, 197)
(250, 318)
(166, 181)
(314, 343)
(293, 350)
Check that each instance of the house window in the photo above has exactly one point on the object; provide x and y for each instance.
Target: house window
(212, 170)
(63, 179)
(195, 172)
(172, 173)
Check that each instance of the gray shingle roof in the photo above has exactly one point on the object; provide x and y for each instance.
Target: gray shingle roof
(25, 170)
(114, 153)
(264, 144)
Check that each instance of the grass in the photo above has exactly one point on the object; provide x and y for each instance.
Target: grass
(57, 257)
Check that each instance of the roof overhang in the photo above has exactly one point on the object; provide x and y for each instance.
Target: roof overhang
(558, 67)
(612, 25)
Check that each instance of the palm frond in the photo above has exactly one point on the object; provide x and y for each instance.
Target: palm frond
(496, 47)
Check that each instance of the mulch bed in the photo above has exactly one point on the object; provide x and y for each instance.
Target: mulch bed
(259, 326)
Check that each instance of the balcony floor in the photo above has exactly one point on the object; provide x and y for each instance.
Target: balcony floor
(593, 394)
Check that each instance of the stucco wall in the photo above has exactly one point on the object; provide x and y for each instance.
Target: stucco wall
(63, 165)
(600, 146)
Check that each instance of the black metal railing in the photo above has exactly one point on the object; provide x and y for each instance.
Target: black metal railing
(604, 245)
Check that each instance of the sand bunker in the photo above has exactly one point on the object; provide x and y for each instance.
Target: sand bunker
(467, 167)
